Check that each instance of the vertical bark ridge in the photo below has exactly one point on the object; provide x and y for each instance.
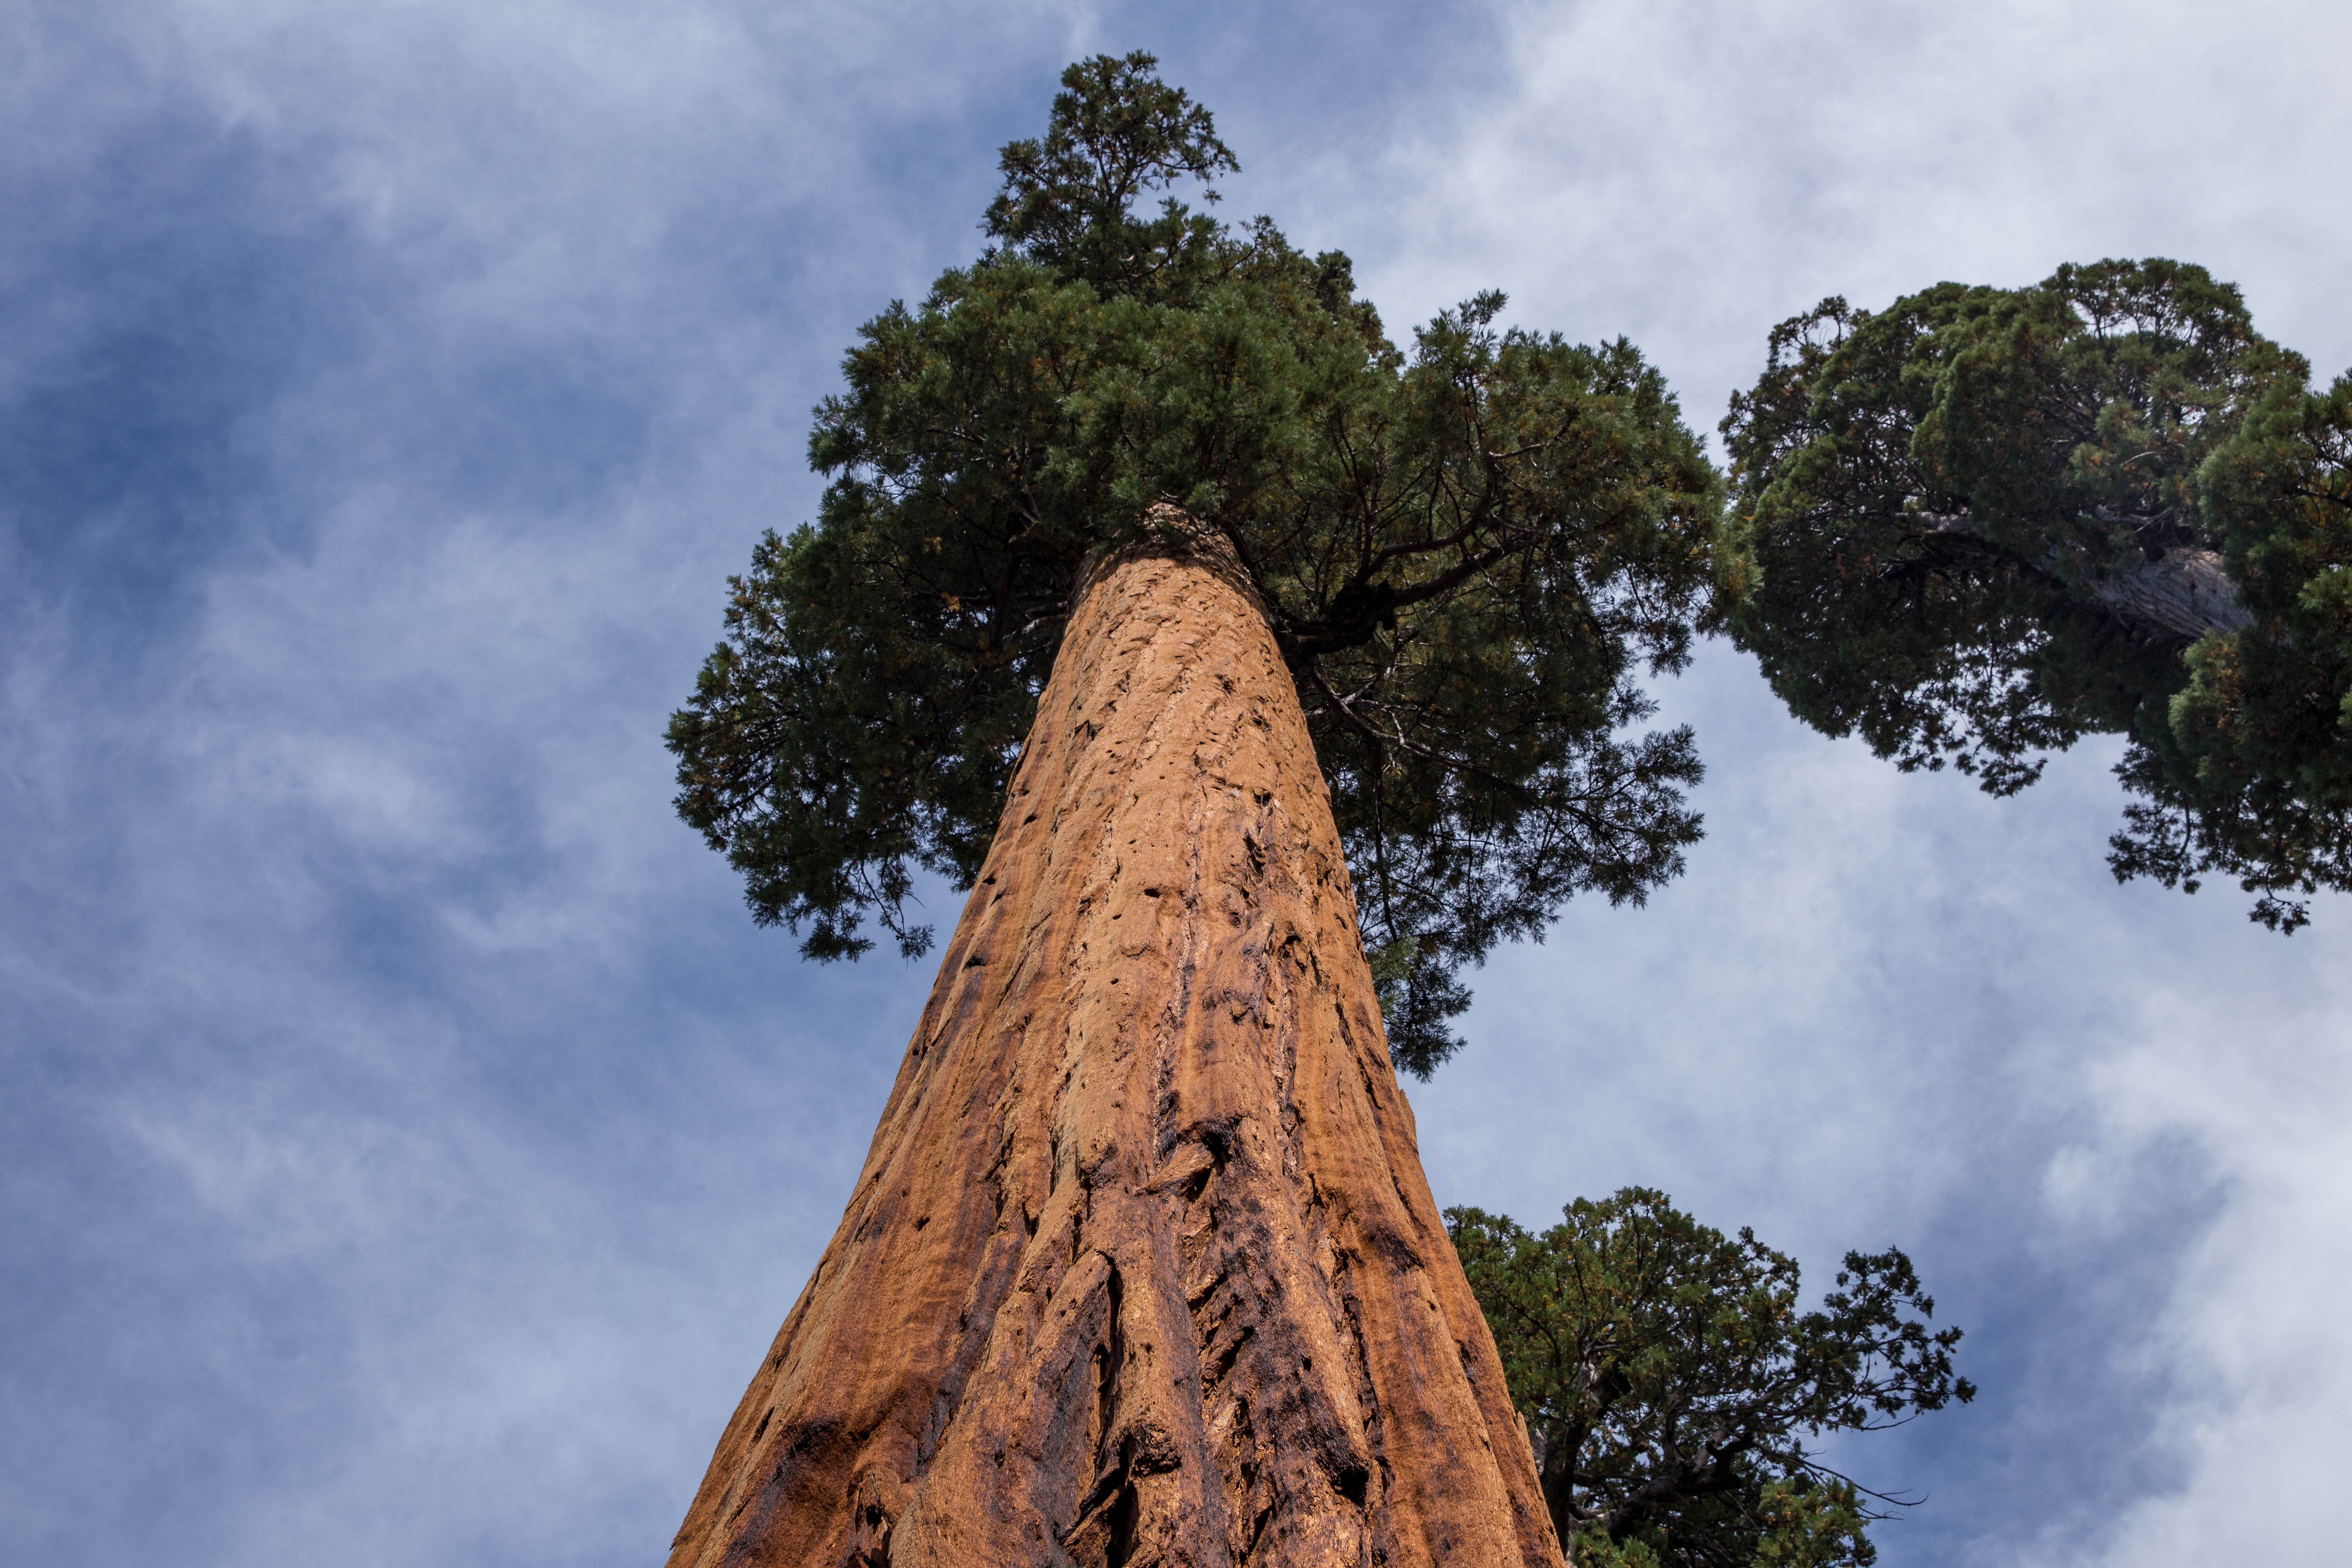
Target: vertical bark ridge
(1141, 1267)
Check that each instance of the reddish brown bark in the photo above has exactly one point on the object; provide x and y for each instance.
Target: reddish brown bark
(1141, 1267)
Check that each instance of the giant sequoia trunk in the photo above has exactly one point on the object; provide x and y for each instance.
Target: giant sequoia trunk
(1141, 1267)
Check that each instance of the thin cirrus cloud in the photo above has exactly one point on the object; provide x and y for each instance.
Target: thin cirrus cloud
(411, 1145)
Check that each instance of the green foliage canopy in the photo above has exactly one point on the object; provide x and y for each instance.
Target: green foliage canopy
(1674, 1389)
(1952, 520)
(1470, 552)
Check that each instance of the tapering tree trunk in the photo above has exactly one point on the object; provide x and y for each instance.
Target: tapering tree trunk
(1141, 1267)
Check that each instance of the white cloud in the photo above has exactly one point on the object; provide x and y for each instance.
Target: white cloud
(1689, 174)
(2251, 1338)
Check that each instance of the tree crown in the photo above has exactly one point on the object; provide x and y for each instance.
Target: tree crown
(1469, 552)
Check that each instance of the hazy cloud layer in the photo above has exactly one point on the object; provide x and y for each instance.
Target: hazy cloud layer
(409, 1144)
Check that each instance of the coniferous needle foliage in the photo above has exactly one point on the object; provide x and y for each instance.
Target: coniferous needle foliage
(1981, 523)
(1471, 551)
(1675, 1395)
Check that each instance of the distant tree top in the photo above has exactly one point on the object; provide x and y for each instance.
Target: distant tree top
(1470, 553)
(1981, 523)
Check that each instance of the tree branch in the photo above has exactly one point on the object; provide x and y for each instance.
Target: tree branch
(2186, 593)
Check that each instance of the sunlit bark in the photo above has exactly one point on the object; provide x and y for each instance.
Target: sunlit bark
(1141, 1267)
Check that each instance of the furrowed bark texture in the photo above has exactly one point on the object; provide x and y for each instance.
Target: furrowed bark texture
(1141, 1267)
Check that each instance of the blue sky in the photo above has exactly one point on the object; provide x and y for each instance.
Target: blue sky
(407, 1146)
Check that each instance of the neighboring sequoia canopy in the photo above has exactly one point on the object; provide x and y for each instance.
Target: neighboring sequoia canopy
(1467, 556)
(1141, 1267)
(1982, 523)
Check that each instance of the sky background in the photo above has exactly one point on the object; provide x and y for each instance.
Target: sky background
(407, 1143)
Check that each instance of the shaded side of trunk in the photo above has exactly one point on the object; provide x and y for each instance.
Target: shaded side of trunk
(1141, 1267)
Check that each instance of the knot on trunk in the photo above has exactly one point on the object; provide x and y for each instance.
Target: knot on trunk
(876, 1500)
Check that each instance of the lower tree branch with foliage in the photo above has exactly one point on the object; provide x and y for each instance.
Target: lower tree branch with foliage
(1675, 1395)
